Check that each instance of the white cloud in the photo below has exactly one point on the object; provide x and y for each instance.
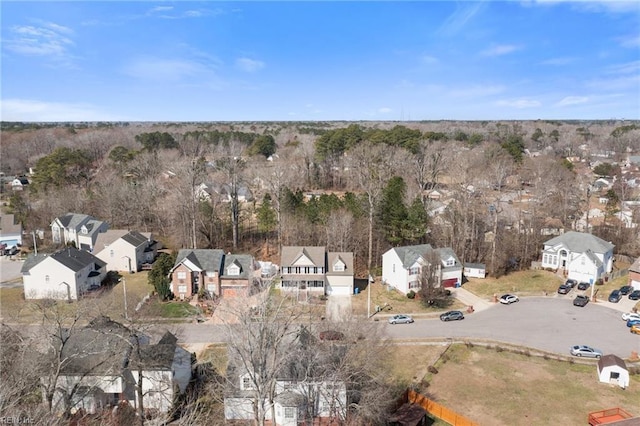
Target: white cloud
(249, 65)
(33, 110)
(499, 50)
(631, 41)
(47, 39)
(160, 9)
(162, 69)
(519, 103)
(459, 19)
(572, 100)
(384, 110)
(427, 59)
(595, 6)
(558, 61)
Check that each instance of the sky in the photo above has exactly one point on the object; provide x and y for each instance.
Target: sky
(319, 61)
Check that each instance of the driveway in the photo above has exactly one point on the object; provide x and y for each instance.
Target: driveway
(10, 272)
(548, 323)
(338, 308)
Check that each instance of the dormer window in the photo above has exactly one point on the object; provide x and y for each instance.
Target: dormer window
(339, 266)
(84, 230)
(450, 262)
(233, 270)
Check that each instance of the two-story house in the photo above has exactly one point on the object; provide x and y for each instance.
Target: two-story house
(196, 268)
(125, 251)
(311, 271)
(402, 267)
(238, 278)
(582, 256)
(78, 229)
(63, 275)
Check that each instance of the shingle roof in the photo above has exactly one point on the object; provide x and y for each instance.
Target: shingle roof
(205, 259)
(345, 257)
(135, 238)
(8, 225)
(410, 254)
(609, 360)
(291, 253)
(76, 220)
(105, 239)
(636, 266)
(579, 242)
(70, 257)
(244, 261)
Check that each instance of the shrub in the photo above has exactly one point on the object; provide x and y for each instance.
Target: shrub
(499, 349)
(411, 294)
(431, 369)
(468, 344)
(445, 358)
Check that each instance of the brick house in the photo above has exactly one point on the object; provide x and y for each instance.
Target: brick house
(196, 268)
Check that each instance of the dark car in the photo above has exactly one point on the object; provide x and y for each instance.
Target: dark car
(570, 282)
(564, 289)
(615, 296)
(581, 301)
(625, 289)
(583, 286)
(634, 295)
(452, 316)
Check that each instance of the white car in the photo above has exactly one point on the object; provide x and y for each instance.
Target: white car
(508, 299)
(630, 316)
(584, 350)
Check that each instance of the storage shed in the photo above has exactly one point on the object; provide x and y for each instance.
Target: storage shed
(475, 270)
(613, 370)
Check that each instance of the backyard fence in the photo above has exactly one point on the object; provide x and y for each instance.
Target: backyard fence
(438, 410)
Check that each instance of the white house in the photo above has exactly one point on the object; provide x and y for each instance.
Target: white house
(402, 266)
(613, 370)
(10, 231)
(64, 275)
(475, 270)
(103, 366)
(124, 250)
(583, 256)
(19, 183)
(79, 229)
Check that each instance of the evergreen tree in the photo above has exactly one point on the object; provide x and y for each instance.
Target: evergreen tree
(159, 275)
(392, 212)
(266, 215)
(417, 219)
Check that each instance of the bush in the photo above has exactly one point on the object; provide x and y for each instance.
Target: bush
(445, 358)
(411, 294)
(468, 344)
(499, 349)
(431, 369)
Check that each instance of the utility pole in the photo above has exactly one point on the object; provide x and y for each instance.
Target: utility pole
(35, 245)
(124, 289)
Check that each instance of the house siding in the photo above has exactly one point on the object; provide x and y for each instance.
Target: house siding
(36, 285)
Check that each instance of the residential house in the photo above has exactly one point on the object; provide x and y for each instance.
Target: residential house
(237, 278)
(208, 191)
(634, 274)
(311, 271)
(79, 229)
(125, 251)
(582, 256)
(103, 363)
(64, 275)
(475, 270)
(402, 267)
(196, 268)
(19, 183)
(10, 231)
(613, 370)
(339, 274)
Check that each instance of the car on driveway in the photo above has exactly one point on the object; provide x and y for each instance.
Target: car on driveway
(564, 289)
(586, 351)
(634, 295)
(571, 282)
(583, 286)
(630, 315)
(507, 299)
(401, 319)
(635, 329)
(625, 289)
(452, 316)
(581, 301)
(615, 296)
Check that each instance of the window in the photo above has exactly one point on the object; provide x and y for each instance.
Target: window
(111, 253)
(450, 262)
(46, 279)
(563, 253)
(414, 284)
(182, 275)
(393, 267)
(182, 289)
(338, 267)
(582, 261)
(289, 413)
(211, 274)
(545, 258)
(246, 383)
(414, 271)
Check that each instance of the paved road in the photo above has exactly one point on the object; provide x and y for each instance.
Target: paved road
(546, 323)
(10, 272)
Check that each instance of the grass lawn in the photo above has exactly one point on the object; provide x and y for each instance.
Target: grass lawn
(503, 388)
(173, 309)
(523, 283)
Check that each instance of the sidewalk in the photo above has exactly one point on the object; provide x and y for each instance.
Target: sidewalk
(470, 299)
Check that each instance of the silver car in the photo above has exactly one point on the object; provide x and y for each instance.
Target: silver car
(586, 351)
(401, 319)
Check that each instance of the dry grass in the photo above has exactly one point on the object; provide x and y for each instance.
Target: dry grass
(529, 283)
(503, 388)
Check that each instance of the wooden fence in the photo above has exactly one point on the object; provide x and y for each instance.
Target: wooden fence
(438, 410)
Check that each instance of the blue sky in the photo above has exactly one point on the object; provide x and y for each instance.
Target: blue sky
(302, 60)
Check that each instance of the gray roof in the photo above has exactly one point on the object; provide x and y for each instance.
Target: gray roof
(159, 356)
(290, 254)
(636, 266)
(105, 239)
(205, 259)
(8, 225)
(410, 254)
(345, 257)
(244, 261)
(70, 257)
(77, 220)
(475, 265)
(135, 238)
(579, 242)
(447, 252)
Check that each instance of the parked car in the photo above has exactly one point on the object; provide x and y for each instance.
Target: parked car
(584, 350)
(571, 282)
(625, 289)
(508, 299)
(401, 319)
(615, 296)
(581, 301)
(635, 329)
(630, 315)
(564, 289)
(452, 316)
(632, 322)
(634, 295)
(583, 285)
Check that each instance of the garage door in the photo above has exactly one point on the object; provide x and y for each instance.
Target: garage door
(340, 291)
(451, 282)
(635, 284)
